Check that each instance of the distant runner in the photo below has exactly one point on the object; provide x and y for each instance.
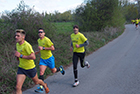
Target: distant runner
(137, 23)
(133, 21)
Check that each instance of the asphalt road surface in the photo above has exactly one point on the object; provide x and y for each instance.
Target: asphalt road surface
(115, 69)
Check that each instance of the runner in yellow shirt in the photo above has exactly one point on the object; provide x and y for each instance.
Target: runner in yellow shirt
(133, 21)
(137, 23)
(77, 46)
(47, 59)
(25, 55)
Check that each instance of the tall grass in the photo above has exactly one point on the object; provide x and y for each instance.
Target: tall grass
(62, 54)
(64, 27)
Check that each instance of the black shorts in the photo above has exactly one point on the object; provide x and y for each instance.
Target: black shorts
(30, 73)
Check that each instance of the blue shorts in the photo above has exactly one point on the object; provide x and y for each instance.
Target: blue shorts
(50, 62)
(30, 73)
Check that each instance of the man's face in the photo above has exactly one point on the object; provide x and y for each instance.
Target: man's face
(19, 37)
(41, 33)
(76, 30)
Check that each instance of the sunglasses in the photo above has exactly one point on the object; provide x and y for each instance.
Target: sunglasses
(40, 31)
(20, 32)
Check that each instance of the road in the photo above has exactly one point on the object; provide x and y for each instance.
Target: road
(115, 69)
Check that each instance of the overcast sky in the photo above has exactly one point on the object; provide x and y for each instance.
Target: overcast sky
(48, 6)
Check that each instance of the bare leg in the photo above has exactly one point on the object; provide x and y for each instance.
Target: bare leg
(38, 81)
(54, 70)
(20, 80)
(42, 69)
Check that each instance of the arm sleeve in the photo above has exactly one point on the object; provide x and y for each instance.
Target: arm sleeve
(71, 44)
(84, 44)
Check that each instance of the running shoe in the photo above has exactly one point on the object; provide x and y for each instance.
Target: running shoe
(39, 89)
(87, 64)
(47, 89)
(76, 84)
(62, 70)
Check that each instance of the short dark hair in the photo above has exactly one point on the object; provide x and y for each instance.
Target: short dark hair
(75, 26)
(20, 31)
(41, 29)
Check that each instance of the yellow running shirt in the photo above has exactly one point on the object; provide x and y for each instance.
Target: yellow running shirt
(25, 49)
(45, 42)
(78, 38)
(133, 21)
(137, 21)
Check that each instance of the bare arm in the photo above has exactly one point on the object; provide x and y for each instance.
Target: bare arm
(50, 48)
(37, 52)
(47, 48)
(31, 56)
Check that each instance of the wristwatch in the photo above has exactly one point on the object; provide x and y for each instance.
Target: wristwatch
(43, 48)
(21, 56)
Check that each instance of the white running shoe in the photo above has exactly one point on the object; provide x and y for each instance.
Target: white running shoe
(87, 64)
(76, 84)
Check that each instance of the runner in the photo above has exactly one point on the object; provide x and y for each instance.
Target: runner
(133, 21)
(25, 55)
(77, 46)
(137, 23)
(47, 59)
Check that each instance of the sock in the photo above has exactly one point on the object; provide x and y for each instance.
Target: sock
(76, 80)
(41, 77)
(58, 69)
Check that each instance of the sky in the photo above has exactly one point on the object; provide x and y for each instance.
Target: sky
(48, 6)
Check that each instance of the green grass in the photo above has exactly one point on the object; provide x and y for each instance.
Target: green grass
(63, 27)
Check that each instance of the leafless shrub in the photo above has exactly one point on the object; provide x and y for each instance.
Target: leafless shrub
(110, 31)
